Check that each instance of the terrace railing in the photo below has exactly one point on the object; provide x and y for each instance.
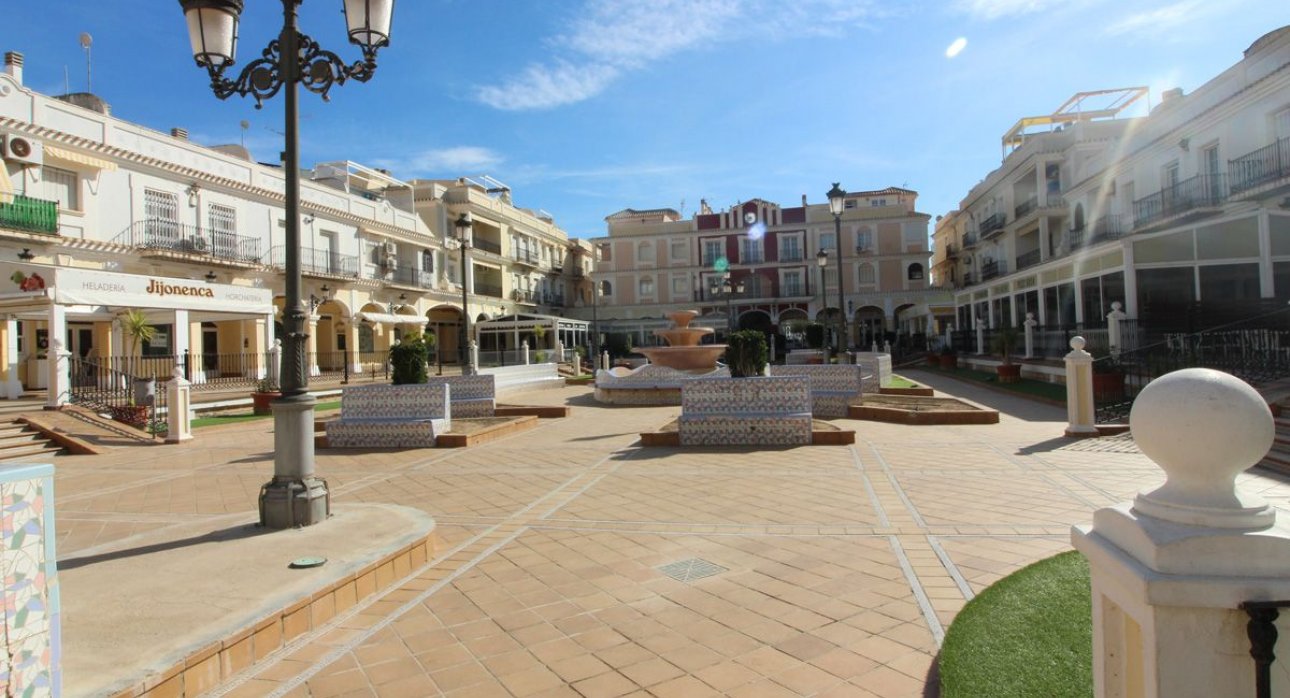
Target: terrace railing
(1267, 164)
(1201, 191)
(171, 236)
(29, 215)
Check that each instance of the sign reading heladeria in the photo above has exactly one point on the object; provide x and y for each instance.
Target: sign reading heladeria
(90, 287)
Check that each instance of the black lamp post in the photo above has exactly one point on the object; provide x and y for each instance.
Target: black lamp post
(295, 496)
(728, 289)
(822, 260)
(463, 240)
(837, 201)
(597, 290)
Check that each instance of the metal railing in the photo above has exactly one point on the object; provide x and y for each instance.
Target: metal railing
(487, 245)
(494, 291)
(29, 215)
(994, 223)
(1028, 259)
(408, 275)
(138, 402)
(951, 250)
(527, 257)
(1030, 204)
(171, 236)
(1201, 191)
(751, 257)
(992, 268)
(969, 240)
(1267, 164)
(790, 256)
(318, 262)
(524, 297)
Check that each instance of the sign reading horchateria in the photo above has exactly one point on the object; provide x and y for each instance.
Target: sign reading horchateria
(74, 286)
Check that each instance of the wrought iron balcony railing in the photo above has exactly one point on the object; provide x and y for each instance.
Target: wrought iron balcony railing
(751, 257)
(968, 279)
(29, 215)
(969, 240)
(992, 268)
(318, 262)
(488, 290)
(951, 250)
(1108, 227)
(1267, 164)
(408, 275)
(486, 245)
(172, 237)
(790, 255)
(527, 257)
(1030, 204)
(1028, 259)
(994, 223)
(1201, 191)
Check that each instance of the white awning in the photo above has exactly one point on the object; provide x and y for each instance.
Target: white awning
(391, 318)
(79, 158)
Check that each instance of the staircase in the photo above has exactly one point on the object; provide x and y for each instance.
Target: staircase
(20, 442)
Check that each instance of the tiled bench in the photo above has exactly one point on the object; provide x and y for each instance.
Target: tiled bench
(746, 411)
(833, 387)
(391, 416)
(514, 379)
(470, 396)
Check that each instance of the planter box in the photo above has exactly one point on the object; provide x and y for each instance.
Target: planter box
(948, 360)
(260, 402)
(1009, 373)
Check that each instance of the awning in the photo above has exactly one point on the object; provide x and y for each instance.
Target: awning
(78, 158)
(391, 318)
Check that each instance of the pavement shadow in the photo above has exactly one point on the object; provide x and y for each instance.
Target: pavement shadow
(932, 682)
(217, 536)
(1046, 446)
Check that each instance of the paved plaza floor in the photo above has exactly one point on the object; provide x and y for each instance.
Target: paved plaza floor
(827, 570)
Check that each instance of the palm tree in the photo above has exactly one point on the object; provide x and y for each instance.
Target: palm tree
(135, 325)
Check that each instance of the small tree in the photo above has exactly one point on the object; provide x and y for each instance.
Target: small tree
(746, 353)
(135, 325)
(410, 359)
(539, 334)
(1004, 343)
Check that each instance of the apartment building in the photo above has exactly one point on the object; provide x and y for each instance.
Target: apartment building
(654, 261)
(1178, 215)
(98, 215)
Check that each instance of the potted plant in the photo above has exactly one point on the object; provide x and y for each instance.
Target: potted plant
(266, 391)
(410, 361)
(949, 358)
(1004, 344)
(746, 353)
(134, 324)
(1108, 378)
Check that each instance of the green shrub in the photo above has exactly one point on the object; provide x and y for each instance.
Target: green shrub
(618, 344)
(409, 360)
(815, 335)
(746, 353)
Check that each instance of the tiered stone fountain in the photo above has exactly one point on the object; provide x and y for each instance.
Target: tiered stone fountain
(659, 382)
(683, 351)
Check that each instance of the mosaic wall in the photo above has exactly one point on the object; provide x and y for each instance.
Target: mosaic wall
(390, 416)
(31, 663)
(877, 369)
(470, 396)
(652, 376)
(746, 411)
(833, 387)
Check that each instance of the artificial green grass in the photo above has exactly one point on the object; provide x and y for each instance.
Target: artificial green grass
(1025, 386)
(1029, 634)
(902, 382)
(235, 418)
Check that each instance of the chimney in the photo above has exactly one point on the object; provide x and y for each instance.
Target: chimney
(13, 65)
(1171, 95)
(180, 133)
(804, 201)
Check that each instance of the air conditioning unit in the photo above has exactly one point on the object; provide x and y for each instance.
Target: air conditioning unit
(390, 248)
(23, 150)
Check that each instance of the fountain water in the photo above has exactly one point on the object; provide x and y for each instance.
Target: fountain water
(684, 353)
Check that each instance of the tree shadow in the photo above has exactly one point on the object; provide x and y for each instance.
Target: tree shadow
(932, 682)
(216, 536)
(1053, 444)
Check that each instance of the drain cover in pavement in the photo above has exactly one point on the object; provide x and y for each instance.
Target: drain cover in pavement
(690, 570)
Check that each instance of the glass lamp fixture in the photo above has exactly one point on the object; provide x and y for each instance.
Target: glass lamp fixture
(212, 30)
(837, 199)
(368, 22)
(822, 258)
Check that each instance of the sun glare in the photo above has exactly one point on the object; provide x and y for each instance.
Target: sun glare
(956, 48)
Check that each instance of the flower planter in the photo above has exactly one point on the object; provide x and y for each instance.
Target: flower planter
(1008, 373)
(134, 415)
(949, 360)
(260, 402)
(1108, 385)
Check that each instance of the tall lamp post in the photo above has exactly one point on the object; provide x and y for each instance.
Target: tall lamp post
(597, 290)
(837, 201)
(295, 496)
(462, 225)
(729, 289)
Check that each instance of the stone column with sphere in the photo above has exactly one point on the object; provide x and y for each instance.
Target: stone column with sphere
(1174, 571)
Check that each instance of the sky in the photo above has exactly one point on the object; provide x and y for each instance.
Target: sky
(587, 107)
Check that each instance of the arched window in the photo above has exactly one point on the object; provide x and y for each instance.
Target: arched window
(865, 274)
(915, 272)
(607, 288)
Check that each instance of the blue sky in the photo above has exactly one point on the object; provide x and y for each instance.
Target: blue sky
(586, 107)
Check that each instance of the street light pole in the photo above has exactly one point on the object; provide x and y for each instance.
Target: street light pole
(595, 325)
(463, 240)
(295, 496)
(837, 200)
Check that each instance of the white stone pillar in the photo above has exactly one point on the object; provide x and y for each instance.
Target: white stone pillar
(474, 358)
(1171, 568)
(949, 335)
(980, 336)
(886, 347)
(58, 363)
(1079, 391)
(178, 404)
(559, 351)
(524, 351)
(181, 339)
(311, 345)
(275, 361)
(12, 386)
(1115, 330)
(1030, 335)
(604, 360)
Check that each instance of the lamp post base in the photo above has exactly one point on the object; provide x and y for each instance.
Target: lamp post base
(295, 497)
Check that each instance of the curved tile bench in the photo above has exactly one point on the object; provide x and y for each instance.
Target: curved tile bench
(390, 416)
(746, 412)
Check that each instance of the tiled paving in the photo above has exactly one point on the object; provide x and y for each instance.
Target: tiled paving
(841, 566)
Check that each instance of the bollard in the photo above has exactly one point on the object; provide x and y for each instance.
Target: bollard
(1030, 334)
(524, 351)
(178, 404)
(1114, 328)
(980, 336)
(1080, 413)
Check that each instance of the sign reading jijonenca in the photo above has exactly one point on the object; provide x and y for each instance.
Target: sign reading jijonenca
(73, 286)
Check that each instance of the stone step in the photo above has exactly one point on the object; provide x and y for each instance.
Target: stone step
(29, 453)
(23, 438)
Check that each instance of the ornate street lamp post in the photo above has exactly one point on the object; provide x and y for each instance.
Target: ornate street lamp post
(728, 289)
(837, 200)
(463, 241)
(597, 290)
(295, 496)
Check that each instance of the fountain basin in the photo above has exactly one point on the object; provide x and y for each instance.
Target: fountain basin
(696, 358)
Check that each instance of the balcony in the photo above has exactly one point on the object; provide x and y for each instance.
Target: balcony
(751, 257)
(1262, 167)
(1028, 259)
(1108, 227)
(969, 241)
(793, 255)
(488, 290)
(525, 297)
(1188, 196)
(487, 246)
(411, 277)
(994, 224)
(163, 238)
(993, 268)
(323, 263)
(525, 257)
(553, 300)
(951, 251)
(711, 260)
(557, 266)
(1035, 202)
(578, 273)
(30, 215)
(1027, 206)
(864, 249)
(968, 279)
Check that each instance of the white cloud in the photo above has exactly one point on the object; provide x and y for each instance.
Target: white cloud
(611, 37)
(994, 9)
(1159, 20)
(956, 47)
(455, 160)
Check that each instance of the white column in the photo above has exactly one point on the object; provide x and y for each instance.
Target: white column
(980, 336)
(13, 386)
(1265, 256)
(474, 358)
(524, 351)
(1130, 281)
(1170, 569)
(58, 380)
(1030, 335)
(178, 402)
(1115, 330)
(1079, 391)
(311, 345)
(180, 339)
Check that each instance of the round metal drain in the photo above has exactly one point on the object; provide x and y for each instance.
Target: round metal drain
(307, 562)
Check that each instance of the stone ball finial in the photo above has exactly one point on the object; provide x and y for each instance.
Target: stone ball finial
(1077, 343)
(1117, 306)
(1203, 428)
